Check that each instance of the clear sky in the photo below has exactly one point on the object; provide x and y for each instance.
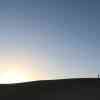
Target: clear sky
(49, 39)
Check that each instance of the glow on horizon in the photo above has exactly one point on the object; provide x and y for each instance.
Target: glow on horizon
(48, 39)
(20, 75)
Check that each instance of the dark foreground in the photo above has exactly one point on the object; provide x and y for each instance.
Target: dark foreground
(68, 89)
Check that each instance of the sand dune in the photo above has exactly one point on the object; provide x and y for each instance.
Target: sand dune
(64, 89)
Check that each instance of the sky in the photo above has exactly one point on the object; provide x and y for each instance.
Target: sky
(49, 39)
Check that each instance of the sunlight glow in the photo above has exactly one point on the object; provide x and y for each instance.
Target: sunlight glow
(14, 76)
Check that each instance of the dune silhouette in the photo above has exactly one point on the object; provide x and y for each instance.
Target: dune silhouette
(61, 89)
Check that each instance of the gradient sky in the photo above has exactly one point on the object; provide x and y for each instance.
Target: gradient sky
(49, 39)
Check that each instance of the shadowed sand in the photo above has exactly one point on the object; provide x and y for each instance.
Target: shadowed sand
(62, 89)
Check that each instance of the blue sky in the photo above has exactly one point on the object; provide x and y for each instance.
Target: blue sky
(50, 38)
